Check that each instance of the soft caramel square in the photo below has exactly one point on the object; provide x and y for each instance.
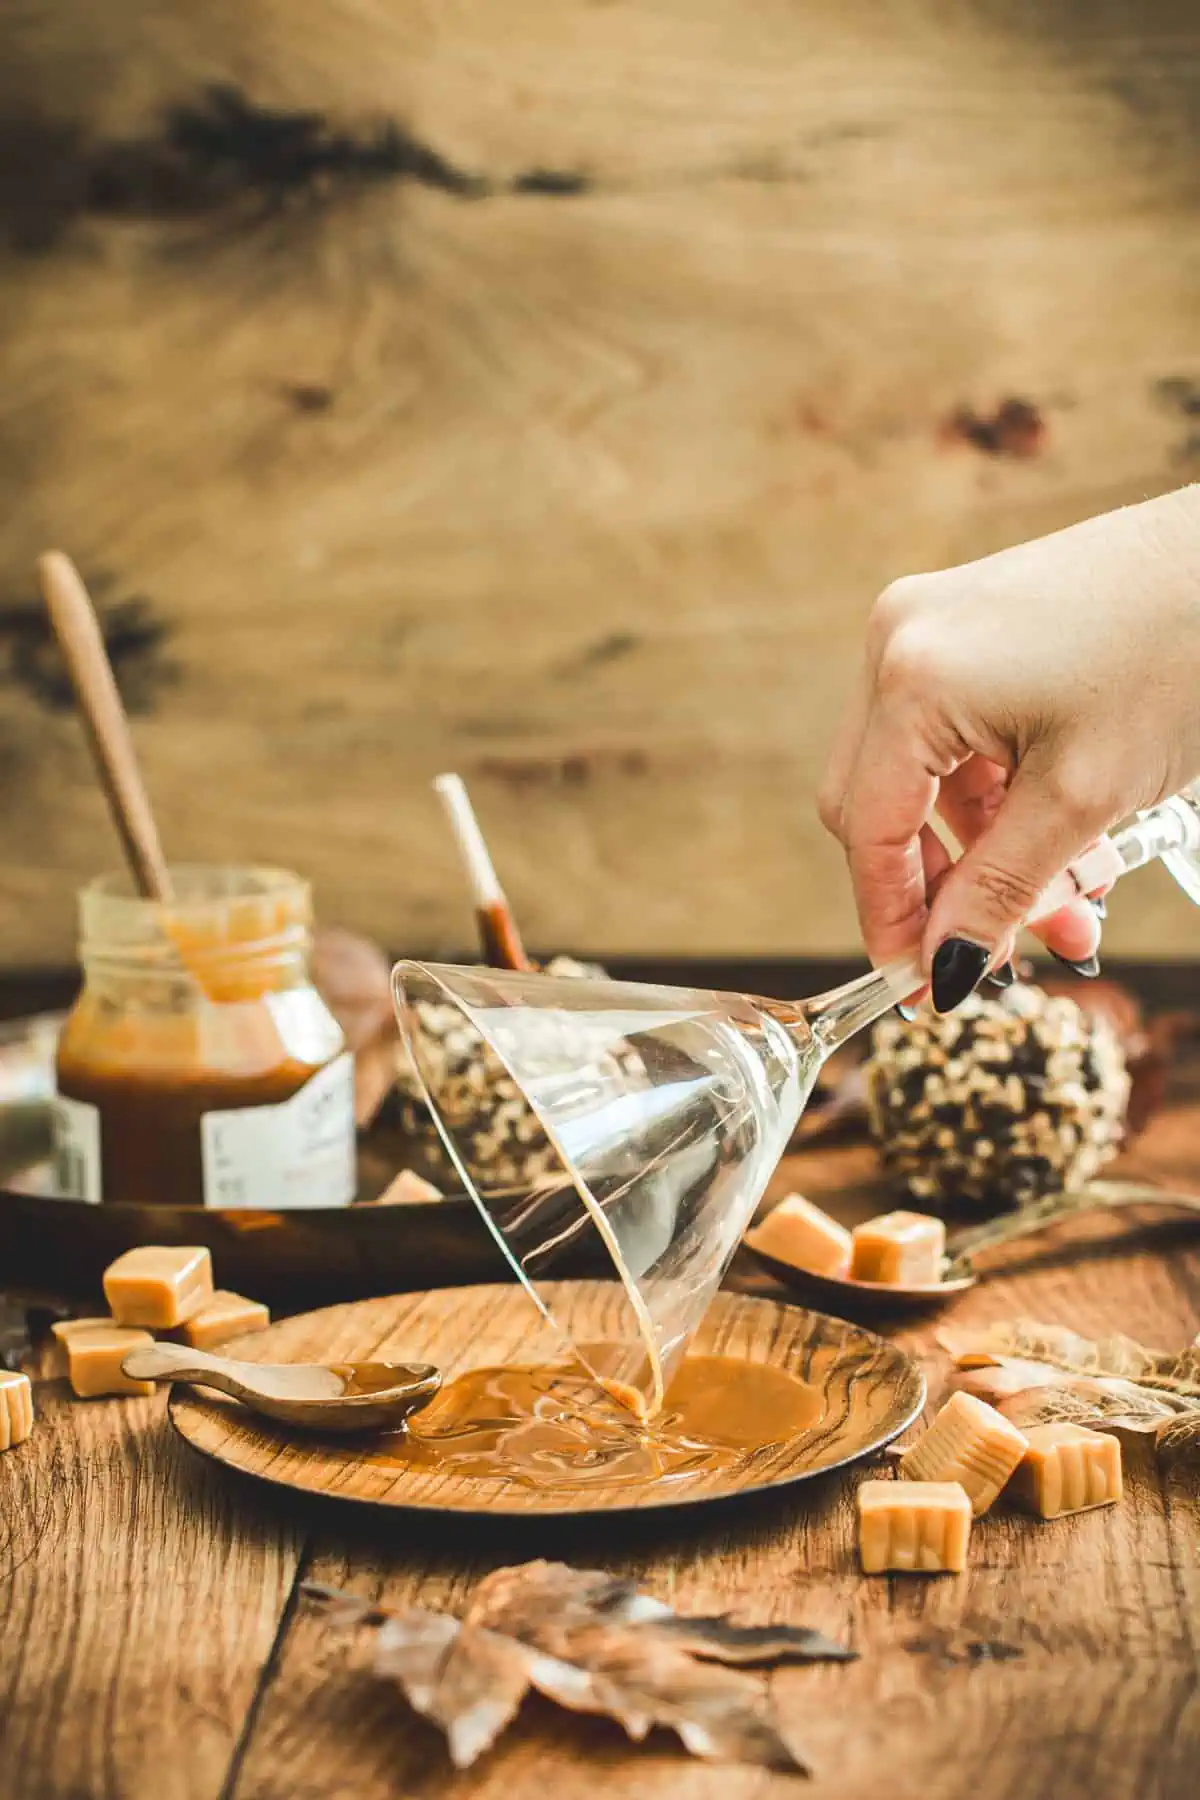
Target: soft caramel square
(158, 1285)
(970, 1443)
(94, 1361)
(16, 1409)
(223, 1316)
(899, 1248)
(913, 1527)
(61, 1334)
(408, 1189)
(799, 1233)
(1067, 1469)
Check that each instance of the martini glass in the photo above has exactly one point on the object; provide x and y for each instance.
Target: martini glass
(659, 1114)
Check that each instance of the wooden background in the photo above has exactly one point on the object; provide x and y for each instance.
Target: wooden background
(545, 389)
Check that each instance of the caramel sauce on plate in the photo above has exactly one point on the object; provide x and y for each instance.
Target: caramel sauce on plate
(554, 1428)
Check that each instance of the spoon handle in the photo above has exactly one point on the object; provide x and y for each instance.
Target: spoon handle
(171, 1362)
(1042, 1214)
(82, 643)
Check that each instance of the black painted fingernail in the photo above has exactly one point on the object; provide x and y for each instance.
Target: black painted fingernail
(1100, 907)
(1003, 977)
(957, 970)
(907, 1013)
(1089, 968)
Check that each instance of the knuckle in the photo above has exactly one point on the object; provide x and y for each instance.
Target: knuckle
(830, 808)
(896, 606)
(909, 662)
(1080, 796)
(1006, 893)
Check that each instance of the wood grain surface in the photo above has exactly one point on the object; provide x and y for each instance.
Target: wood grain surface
(869, 1392)
(153, 1642)
(126, 1668)
(545, 391)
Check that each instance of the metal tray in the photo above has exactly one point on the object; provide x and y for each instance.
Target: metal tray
(63, 1245)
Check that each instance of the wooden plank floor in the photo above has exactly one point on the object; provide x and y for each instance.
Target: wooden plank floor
(152, 1643)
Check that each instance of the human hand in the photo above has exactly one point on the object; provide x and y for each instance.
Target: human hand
(1032, 700)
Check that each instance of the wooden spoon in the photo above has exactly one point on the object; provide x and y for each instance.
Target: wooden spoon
(341, 1397)
(77, 629)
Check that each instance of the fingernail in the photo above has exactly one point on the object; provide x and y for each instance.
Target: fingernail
(907, 1013)
(1100, 907)
(958, 967)
(1003, 977)
(1089, 968)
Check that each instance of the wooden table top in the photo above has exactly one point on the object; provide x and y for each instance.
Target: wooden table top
(153, 1644)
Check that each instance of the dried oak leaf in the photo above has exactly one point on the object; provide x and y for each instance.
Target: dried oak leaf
(1042, 1374)
(593, 1643)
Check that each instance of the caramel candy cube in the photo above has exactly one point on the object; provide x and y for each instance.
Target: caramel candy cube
(16, 1409)
(408, 1189)
(63, 1331)
(223, 1316)
(971, 1443)
(799, 1233)
(94, 1361)
(899, 1248)
(158, 1285)
(917, 1527)
(1067, 1469)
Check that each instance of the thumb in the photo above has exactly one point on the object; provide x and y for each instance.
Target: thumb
(989, 893)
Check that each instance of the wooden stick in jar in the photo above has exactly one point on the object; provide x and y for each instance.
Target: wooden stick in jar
(502, 946)
(77, 629)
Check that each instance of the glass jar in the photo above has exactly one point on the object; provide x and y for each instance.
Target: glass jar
(199, 1065)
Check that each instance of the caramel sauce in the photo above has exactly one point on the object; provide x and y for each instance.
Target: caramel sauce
(501, 941)
(555, 1429)
(374, 1378)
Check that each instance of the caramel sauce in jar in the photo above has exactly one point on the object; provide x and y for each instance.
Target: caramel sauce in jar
(199, 1065)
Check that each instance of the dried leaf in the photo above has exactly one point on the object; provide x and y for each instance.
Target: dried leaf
(468, 1681)
(593, 1643)
(1061, 1348)
(995, 1382)
(1108, 1405)
(1046, 1374)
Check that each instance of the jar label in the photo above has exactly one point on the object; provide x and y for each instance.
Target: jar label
(76, 1129)
(300, 1153)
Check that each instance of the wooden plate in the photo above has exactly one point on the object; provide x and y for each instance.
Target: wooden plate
(871, 1391)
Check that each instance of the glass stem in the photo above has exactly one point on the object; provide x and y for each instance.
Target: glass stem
(836, 1016)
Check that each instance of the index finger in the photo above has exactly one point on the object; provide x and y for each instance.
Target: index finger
(892, 794)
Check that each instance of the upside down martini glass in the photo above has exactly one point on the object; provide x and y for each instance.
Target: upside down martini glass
(661, 1112)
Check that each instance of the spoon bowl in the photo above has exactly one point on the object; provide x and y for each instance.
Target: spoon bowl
(330, 1397)
(858, 1299)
